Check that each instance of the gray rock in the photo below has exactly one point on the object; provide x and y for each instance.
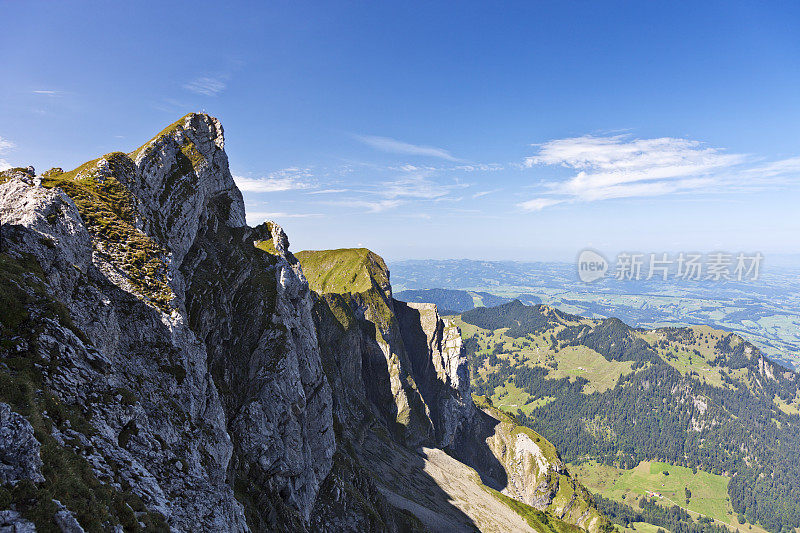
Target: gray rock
(12, 522)
(19, 449)
(65, 520)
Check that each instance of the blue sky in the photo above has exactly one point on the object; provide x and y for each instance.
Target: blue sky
(445, 130)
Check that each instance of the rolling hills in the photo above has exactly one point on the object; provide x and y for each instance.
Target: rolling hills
(608, 394)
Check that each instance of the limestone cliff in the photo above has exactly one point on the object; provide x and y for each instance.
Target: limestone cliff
(125, 281)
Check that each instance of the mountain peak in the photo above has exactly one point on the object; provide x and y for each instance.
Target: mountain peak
(144, 208)
(193, 125)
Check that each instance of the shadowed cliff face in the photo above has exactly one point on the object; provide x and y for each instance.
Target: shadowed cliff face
(439, 367)
(398, 362)
(362, 344)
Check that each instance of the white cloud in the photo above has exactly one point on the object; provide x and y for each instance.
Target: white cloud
(537, 204)
(619, 166)
(206, 86)
(51, 93)
(781, 167)
(414, 187)
(328, 191)
(287, 179)
(480, 167)
(387, 144)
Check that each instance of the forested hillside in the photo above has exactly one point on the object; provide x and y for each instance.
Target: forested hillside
(602, 391)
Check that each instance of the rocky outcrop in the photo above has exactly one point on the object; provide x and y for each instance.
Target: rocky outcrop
(439, 367)
(179, 174)
(189, 416)
(12, 522)
(522, 464)
(398, 362)
(276, 398)
(362, 345)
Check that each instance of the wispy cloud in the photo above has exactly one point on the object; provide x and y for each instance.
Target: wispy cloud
(418, 186)
(206, 85)
(480, 167)
(287, 179)
(782, 167)
(372, 206)
(481, 194)
(414, 185)
(537, 204)
(620, 166)
(5, 146)
(387, 144)
(328, 191)
(49, 92)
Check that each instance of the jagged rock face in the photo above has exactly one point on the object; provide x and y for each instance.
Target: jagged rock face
(439, 366)
(268, 366)
(362, 345)
(175, 365)
(181, 171)
(525, 466)
(381, 355)
(532, 474)
(129, 259)
(157, 423)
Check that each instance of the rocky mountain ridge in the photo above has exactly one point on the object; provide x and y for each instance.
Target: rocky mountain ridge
(136, 397)
(427, 380)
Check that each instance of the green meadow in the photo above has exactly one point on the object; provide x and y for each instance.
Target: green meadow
(709, 492)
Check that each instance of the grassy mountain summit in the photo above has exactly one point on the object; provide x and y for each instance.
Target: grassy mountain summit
(606, 393)
(344, 270)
